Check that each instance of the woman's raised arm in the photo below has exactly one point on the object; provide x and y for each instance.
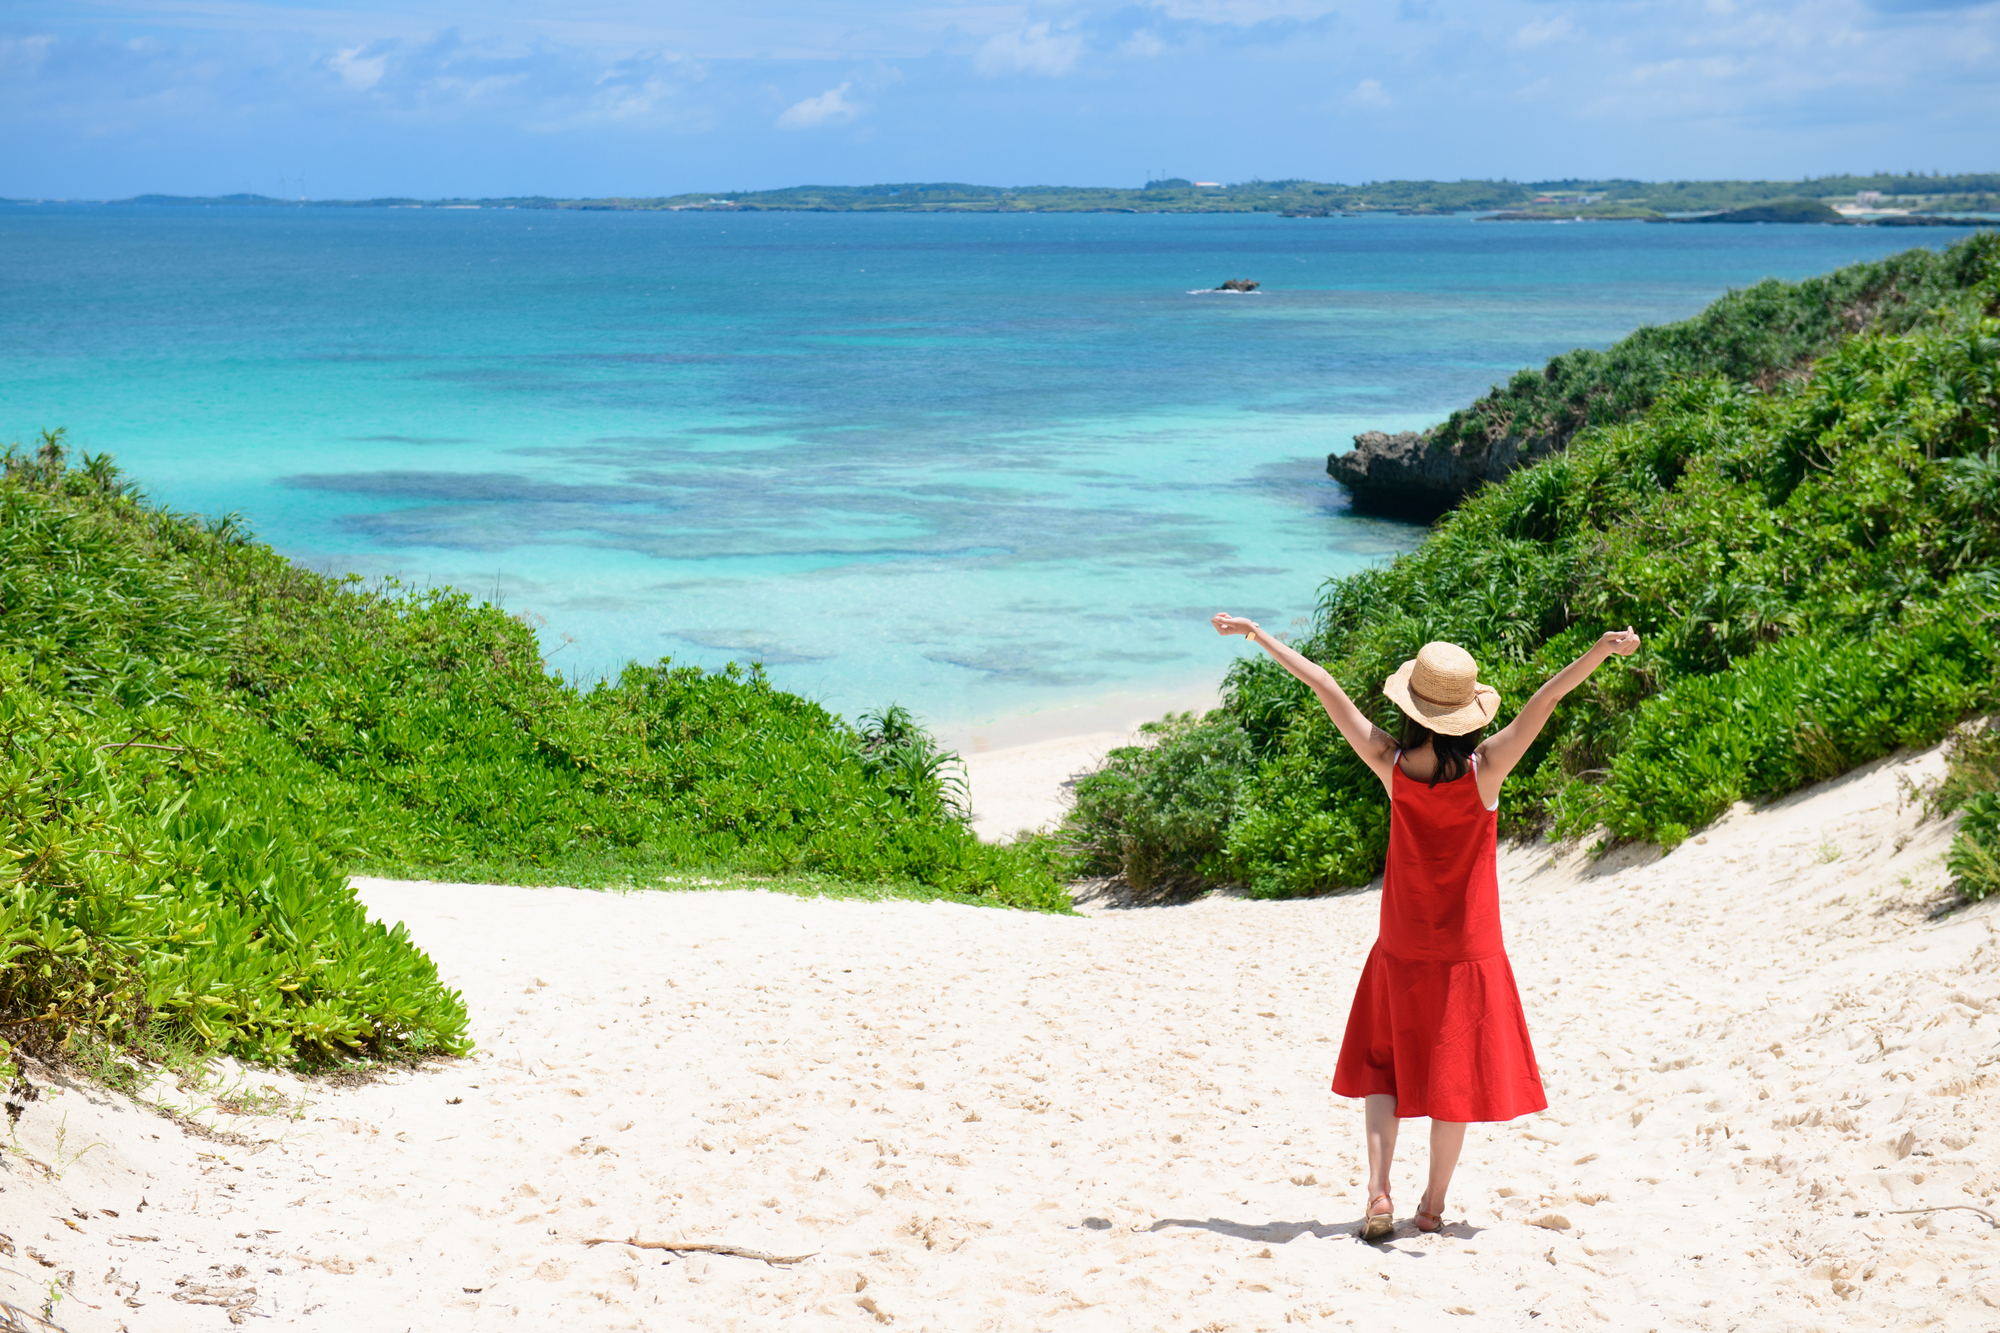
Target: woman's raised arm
(1498, 756)
(1376, 747)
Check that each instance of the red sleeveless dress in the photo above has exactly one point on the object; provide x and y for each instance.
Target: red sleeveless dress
(1437, 1020)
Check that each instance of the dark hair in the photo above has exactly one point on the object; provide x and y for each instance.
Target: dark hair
(1454, 753)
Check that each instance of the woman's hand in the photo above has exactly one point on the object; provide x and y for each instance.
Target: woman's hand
(1227, 624)
(1498, 756)
(1622, 642)
(1375, 746)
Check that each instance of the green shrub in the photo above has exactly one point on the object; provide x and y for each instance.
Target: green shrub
(1313, 818)
(1156, 813)
(1972, 784)
(1802, 711)
(150, 875)
(200, 741)
(895, 748)
(1974, 858)
(1972, 765)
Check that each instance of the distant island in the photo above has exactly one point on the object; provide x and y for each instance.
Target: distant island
(1913, 211)
(1825, 199)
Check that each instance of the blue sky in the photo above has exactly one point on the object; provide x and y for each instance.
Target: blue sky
(449, 97)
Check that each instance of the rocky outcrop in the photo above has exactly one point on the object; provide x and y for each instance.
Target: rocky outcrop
(1411, 476)
(1238, 285)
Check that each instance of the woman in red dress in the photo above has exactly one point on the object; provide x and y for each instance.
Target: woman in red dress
(1436, 1028)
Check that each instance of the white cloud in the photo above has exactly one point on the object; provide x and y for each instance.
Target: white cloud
(623, 102)
(359, 72)
(1541, 32)
(1036, 49)
(24, 54)
(1142, 45)
(542, 89)
(1368, 92)
(829, 108)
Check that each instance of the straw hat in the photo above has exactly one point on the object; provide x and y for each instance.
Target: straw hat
(1440, 688)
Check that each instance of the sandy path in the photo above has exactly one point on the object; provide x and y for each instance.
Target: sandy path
(1026, 787)
(1018, 769)
(983, 1120)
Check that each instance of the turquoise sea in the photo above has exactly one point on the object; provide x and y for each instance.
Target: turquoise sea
(980, 465)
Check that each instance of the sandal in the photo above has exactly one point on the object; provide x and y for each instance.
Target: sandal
(1426, 1220)
(1378, 1226)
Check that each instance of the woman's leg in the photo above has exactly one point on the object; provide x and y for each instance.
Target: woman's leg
(1381, 1143)
(1447, 1141)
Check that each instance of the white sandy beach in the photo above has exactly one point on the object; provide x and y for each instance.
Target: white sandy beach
(1025, 788)
(1019, 769)
(1761, 1056)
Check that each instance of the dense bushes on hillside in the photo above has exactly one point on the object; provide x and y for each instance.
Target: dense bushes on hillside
(1972, 787)
(199, 740)
(1158, 812)
(1755, 335)
(1815, 566)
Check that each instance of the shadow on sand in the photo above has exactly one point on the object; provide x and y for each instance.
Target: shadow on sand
(1282, 1233)
(1114, 893)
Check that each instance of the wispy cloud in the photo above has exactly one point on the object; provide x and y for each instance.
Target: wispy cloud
(1142, 45)
(1038, 48)
(1541, 32)
(1368, 93)
(548, 88)
(361, 67)
(829, 108)
(1082, 35)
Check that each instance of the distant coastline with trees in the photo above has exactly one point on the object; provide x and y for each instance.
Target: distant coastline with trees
(1910, 194)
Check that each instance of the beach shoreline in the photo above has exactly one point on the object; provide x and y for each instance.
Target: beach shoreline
(1019, 767)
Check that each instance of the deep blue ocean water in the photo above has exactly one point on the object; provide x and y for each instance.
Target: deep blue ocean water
(980, 465)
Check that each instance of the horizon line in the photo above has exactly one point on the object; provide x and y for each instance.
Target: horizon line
(1174, 184)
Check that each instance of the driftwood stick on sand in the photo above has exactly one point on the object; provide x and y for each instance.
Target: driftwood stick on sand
(693, 1247)
(1942, 1207)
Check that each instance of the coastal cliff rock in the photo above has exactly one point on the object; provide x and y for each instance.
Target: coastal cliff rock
(1411, 475)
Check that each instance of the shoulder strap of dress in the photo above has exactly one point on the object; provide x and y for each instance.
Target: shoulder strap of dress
(1473, 759)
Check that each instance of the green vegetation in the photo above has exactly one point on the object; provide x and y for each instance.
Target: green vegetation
(1717, 196)
(1565, 198)
(199, 741)
(1752, 336)
(1781, 210)
(1814, 560)
(1157, 813)
(1972, 786)
(1949, 203)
